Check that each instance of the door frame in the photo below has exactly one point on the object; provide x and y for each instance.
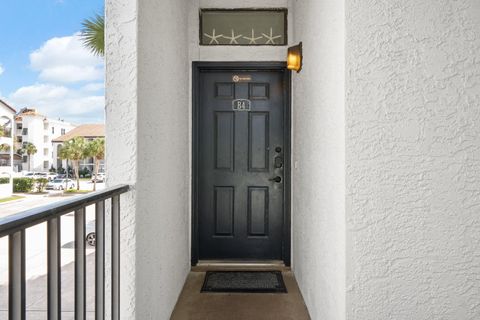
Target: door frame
(199, 66)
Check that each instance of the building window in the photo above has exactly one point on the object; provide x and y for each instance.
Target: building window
(45, 164)
(19, 126)
(243, 27)
(45, 126)
(45, 139)
(45, 152)
(25, 131)
(63, 131)
(53, 130)
(25, 159)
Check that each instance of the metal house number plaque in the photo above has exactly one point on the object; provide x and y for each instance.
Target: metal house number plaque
(241, 105)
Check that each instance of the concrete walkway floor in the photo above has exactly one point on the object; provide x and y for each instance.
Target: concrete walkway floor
(194, 305)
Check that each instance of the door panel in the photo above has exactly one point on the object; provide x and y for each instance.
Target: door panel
(224, 140)
(240, 184)
(258, 134)
(258, 211)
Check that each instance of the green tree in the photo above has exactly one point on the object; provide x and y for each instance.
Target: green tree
(41, 184)
(4, 147)
(93, 34)
(74, 150)
(96, 150)
(29, 149)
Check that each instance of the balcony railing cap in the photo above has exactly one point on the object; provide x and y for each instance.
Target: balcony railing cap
(31, 217)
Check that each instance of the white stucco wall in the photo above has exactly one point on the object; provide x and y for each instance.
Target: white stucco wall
(6, 189)
(163, 185)
(121, 136)
(413, 159)
(36, 135)
(148, 148)
(149, 143)
(36, 131)
(319, 156)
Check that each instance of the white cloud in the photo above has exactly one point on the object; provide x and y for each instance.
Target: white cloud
(70, 82)
(66, 60)
(2, 69)
(58, 101)
(93, 87)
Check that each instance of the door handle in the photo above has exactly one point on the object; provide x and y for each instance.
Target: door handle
(277, 179)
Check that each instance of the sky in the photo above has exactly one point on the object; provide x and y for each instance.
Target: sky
(43, 63)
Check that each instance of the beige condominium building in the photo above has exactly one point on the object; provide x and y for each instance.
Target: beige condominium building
(87, 131)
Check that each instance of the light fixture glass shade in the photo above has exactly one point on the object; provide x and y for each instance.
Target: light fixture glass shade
(294, 58)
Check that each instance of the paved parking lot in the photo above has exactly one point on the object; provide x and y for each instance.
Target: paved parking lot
(32, 200)
(36, 255)
(36, 296)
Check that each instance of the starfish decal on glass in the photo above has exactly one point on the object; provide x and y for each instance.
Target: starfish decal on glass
(213, 38)
(253, 39)
(233, 38)
(271, 38)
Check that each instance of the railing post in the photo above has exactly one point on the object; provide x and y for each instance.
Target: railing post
(54, 268)
(80, 283)
(14, 227)
(116, 257)
(16, 276)
(100, 260)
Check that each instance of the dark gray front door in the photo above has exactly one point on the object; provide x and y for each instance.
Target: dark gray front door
(241, 164)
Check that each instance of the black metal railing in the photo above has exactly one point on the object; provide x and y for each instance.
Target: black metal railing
(15, 226)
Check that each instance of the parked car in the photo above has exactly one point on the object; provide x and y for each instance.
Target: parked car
(100, 177)
(51, 176)
(35, 175)
(61, 184)
(90, 237)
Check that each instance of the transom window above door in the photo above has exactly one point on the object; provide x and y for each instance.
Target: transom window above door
(243, 27)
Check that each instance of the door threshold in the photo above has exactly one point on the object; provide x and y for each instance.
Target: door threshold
(217, 265)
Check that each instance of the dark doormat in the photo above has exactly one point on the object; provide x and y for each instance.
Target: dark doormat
(244, 281)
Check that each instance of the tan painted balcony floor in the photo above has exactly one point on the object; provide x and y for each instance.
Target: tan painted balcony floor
(194, 305)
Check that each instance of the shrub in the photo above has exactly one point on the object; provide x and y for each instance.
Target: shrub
(52, 169)
(61, 170)
(23, 184)
(41, 184)
(4, 180)
(85, 173)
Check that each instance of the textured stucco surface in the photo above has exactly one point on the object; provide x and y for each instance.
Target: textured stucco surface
(147, 147)
(319, 155)
(413, 159)
(121, 134)
(385, 183)
(162, 251)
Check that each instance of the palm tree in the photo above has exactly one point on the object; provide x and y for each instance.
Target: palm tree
(2, 131)
(65, 154)
(29, 149)
(74, 150)
(93, 34)
(96, 150)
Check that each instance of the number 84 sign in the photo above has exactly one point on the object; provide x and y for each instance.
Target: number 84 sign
(241, 105)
